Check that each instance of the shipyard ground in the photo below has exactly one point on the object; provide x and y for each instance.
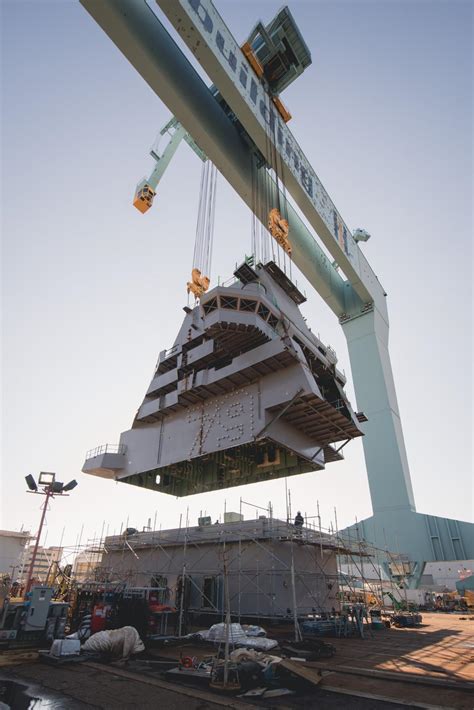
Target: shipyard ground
(429, 667)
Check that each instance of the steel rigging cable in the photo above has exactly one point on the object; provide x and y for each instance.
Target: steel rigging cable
(202, 257)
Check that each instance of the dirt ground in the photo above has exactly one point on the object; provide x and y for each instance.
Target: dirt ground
(432, 664)
(77, 687)
(441, 648)
(430, 667)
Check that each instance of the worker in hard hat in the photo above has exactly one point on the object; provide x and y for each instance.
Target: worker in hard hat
(299, 520)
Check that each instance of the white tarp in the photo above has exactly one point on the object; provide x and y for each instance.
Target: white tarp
(217, 633)
(119, 643)
(253, 631)
(237, 637)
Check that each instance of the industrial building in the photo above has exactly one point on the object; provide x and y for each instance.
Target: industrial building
(44, 561)
(446, 574)
(85, 564)
(12, 551)
(271, 567)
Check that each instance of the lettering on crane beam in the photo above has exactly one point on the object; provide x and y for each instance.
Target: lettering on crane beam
(220, 40)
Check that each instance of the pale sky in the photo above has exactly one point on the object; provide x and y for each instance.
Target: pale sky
(93, 290)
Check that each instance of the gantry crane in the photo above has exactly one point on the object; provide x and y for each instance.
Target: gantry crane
(241, 119)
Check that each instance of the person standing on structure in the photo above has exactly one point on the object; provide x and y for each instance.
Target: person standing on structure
(299, 520)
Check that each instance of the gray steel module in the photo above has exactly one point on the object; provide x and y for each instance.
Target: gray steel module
(247, 393)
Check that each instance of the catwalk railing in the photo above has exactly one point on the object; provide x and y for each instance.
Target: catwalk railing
(262, 529)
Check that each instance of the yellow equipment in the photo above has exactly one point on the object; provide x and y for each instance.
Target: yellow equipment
(278, 228)
(143, 199)
(469, 597)
(281, 108)
(198, 284)
(252, 59)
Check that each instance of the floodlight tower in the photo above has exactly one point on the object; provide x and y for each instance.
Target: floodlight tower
(50, 488)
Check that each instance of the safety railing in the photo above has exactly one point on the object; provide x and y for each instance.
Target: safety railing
(106, 449)
(165, 354)
(227, 282)
(331, 354)
(269, 529)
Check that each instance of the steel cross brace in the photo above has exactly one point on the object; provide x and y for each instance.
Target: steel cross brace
(279, 414)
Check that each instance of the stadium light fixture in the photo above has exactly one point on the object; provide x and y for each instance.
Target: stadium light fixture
(46, 478)
(31, 483)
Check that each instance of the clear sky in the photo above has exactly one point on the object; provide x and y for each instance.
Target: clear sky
(93, 290)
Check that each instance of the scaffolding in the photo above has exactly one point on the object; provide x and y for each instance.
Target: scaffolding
(291, 573)
(263, 569)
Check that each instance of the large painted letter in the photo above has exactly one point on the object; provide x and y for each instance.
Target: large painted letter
(231, 58)
(203, 15)
(306, 181)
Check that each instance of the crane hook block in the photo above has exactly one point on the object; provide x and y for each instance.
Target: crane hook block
(198, 284)
(279, 229)
(143, 199)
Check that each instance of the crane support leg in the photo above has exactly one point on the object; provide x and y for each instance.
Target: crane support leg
(395, 524)
(384, 446)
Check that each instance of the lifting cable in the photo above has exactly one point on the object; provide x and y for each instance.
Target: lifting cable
(271, 199)
(259, 213)
(282, 204)
(269, 203)
(202, 257)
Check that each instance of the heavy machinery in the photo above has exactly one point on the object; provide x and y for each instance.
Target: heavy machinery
(60, 578)
(241, 125)
(33, 620)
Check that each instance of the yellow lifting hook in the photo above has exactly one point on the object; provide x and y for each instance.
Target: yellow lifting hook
(279, 228)
(198, 284)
